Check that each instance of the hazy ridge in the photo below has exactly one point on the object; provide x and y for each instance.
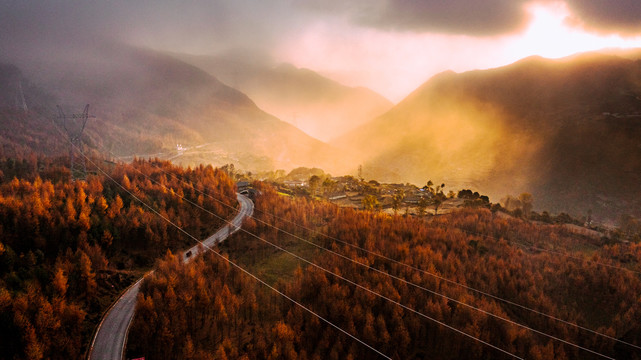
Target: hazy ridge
(565, 130)
(315, 104)
(146, 103)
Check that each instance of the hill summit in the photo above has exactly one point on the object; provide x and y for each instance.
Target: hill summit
(567, 130)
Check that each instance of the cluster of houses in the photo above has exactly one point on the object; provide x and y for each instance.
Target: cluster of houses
(351, 192)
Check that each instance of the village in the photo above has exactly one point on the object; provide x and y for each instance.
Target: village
(356, 192)
(411, 200)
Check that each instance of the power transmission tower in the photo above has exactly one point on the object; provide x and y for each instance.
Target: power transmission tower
(74, 125)
(20, 101)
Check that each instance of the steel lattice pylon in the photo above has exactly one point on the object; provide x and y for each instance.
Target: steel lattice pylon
(74, 125)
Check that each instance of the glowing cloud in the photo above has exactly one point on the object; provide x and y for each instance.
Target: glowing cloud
(551, 34)
(395, 63)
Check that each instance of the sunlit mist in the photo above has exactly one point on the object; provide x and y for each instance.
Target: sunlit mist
(553, 34)
(395, 63)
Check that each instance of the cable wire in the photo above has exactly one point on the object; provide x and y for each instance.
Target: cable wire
(463, 230)
(509, 302)
(398, 279)
(382, 272)
(233, 263)
(392, 276)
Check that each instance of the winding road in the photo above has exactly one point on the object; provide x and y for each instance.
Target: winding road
(111, 337)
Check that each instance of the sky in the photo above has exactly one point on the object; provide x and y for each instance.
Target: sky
(390, 46)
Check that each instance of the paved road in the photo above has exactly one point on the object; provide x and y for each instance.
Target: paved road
(110, 339)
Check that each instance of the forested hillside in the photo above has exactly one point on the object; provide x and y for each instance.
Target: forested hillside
(210, 310)
(67, 249)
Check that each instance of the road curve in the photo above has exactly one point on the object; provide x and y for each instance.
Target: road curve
(110, 338)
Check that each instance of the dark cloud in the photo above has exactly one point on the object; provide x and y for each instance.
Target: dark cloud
(607, 16)
(189, 25)
(477, 17)
(219, 25)
(470, 17)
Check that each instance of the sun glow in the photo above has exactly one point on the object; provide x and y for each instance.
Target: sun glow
(396, 63)
(553, 34)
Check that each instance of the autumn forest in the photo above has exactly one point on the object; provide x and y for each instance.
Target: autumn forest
(67, 249)
(304, 279)
(392, 282)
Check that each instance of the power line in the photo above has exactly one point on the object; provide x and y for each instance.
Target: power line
(403, 280)
(374, 269)
(238, 266)
(380, 271)
(78, 166)
(352, 282)
(369, 267)
(427, 273)
(463, 230)
(233, 263)
(396, 278)
(466, 287)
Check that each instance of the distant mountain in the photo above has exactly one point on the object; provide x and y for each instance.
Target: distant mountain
(568, 131)
(22, 129)
(317, 105)
(146, 103)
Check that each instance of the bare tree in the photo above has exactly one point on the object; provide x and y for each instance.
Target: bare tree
(526, 203)
(397, 199)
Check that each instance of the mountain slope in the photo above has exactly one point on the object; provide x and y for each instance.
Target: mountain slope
(317, 105)
(22, 129)
(568, 131)
(146, 103)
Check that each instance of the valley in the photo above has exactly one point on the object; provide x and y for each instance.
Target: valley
(536, 126)
(240, 203)
(316, 105)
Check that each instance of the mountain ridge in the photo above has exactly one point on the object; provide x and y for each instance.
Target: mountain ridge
(315, 104)
(147, 102)
(518, 128)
